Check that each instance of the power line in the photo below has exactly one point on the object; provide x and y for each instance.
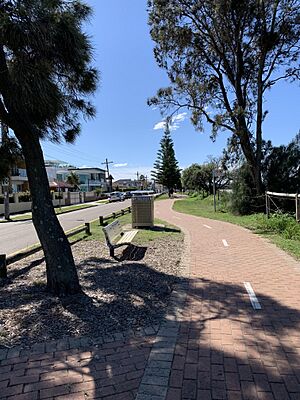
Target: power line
(71, 152)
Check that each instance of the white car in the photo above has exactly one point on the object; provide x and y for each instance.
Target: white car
(115, 196)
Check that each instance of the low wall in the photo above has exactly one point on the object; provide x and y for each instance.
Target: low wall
(15, 208)
(90, 196)
(68, 199)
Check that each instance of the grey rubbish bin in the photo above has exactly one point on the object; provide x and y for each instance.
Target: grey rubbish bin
(142, 211)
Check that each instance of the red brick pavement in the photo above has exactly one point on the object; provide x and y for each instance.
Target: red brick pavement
(225, 348)
(74, 370)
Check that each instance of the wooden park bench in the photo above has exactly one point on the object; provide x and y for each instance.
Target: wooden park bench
(112, 232)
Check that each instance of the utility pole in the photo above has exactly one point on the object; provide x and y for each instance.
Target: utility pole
(106, 162)
(6, 181)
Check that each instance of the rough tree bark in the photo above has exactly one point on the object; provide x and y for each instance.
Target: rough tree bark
(62, 276)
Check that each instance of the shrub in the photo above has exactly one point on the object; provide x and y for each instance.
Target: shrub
(244, 200)
(284, 224)
(25, 197)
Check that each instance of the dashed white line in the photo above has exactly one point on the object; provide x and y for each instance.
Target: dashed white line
(207, 226)
(225, 243)
(254, 301)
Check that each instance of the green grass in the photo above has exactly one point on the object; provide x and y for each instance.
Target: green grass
(58, 211)
(162, 197)
(282, 230)
(144, 236)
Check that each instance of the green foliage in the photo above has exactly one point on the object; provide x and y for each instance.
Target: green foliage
(281, 170)
(73, 179)
(200, 177)
(166, 171)
(221, 57)
(10, 153)
(244, 200)
(25, 197)
(45, 62)
(283, 224)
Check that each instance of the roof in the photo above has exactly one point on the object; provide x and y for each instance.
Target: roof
(87, 169)
(60, 185)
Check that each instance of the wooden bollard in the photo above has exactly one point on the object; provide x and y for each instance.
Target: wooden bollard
(122, 212)
(114, 215)
(3, 269)
(88, 228)
(101, 221)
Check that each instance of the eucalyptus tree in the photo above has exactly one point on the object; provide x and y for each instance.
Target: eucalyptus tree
(221, 57)
(46, 77)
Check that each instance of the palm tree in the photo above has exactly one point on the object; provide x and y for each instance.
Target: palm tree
(73, 179)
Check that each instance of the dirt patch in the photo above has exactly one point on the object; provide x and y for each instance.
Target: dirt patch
(118, 295)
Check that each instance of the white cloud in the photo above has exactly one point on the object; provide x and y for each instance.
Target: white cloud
(175, 122)
(179, 117)
(120, 165)
(160, 125)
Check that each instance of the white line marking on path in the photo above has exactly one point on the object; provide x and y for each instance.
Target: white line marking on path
(254, 301)
(207, 226)
(225, 243)
(176, 217)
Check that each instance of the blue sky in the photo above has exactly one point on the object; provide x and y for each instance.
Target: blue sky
(123, 129)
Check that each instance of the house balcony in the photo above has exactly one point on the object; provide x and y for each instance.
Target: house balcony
(19, 174)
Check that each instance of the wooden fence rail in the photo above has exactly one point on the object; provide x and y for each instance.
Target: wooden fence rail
(114, 215)
(292, 196)
(5, 261)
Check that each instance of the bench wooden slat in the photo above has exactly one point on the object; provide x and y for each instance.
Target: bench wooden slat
(113, 231)
(128, 236)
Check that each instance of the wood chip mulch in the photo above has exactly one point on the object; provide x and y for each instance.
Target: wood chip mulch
(118, 295)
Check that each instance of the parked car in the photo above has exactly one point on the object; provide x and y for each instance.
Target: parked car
(115, 196)
(142, 192)
(126, 195)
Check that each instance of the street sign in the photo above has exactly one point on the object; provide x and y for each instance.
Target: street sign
(5, 182)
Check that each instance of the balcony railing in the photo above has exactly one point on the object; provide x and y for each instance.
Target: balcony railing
(21, 172)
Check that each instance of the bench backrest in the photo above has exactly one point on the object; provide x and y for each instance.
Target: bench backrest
(112, 230)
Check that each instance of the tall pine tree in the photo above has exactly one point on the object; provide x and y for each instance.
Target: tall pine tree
(166, 171)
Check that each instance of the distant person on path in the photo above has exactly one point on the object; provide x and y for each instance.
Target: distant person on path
(171, 191)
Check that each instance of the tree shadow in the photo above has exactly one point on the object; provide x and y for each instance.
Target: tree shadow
(157, 228)
(117, 296)
(21, 271)
(224, 349)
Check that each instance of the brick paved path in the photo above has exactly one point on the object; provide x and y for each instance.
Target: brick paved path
(211, 345)
(225, 349)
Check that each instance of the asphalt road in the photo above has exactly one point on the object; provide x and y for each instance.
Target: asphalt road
(15, 236)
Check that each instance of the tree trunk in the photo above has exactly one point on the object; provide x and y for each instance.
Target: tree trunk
(62, 276)
(255, 166)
